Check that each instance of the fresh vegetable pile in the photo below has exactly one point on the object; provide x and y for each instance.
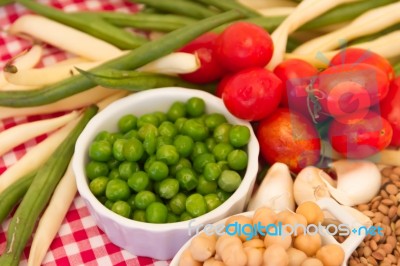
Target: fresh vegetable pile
(314, 80)
(168, 167)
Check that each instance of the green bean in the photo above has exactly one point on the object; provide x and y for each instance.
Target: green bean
(397, 69)
(268, 23)
(6, 2)
(134, 59)
(230, 5)
(376, 35)
(39, 193)
(180, 7)
(14, 193)
(156, 22)
(345, 12)
(138, 81)
(89, 24)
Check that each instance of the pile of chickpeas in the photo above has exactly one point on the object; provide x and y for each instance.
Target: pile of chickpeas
(298, 248)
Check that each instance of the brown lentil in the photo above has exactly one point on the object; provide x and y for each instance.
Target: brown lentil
(384, 211)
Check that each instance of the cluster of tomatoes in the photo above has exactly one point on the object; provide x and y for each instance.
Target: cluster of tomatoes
(355, 95)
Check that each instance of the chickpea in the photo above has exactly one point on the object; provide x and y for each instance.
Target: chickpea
(284, 241)
(296, 256)
(254, 256)
(244, 225)
(311, 211)
(312, 262)
(234, 255)
(254, 243)
(275, 255)
(225, 240)
(202, 247)
(331, 255)
(309, 244)
(293, 221)
(213, 262)
(188, 260)
(264, 216)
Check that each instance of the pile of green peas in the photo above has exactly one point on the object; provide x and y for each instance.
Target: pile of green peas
(166, 167)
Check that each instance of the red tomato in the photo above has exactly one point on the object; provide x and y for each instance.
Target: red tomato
(358, 55)
(390, 110)
(297, 76)
(209, 70)
(289, 137)
(349, 88)
(252, 94)
(361, 137)
(243, 45)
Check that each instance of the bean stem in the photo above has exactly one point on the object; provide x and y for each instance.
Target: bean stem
(152, 22)
(36, 198)
(92, 25)
(13, 194)
(138, 81)
(180, 7)
(230, 5)
(134, 59)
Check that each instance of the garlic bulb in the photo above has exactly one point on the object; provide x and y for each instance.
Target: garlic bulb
(275, 191)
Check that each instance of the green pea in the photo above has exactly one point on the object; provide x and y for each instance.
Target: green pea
(147, 129)
(169, 187)
(102, 199)
(127, 122)
(161, 116)
(196, 205)
(185, 217)
(149, 161)
(184, 145)
(200, 161)
(198, 148)
(163, 140)
(156, 212)
(178, 203)
(194, 129)
(158, 171)
(223, 195)
(156, 187)
(100, 150)
(150, 143)
(126, 169)
(211, 171)
(223, 165)
(210, 143)
(118, 149)
(122, 208)
(139, 181)
(95, 169)
(179, 123)
(212, 201)
(131, 201)
(183, 162)
(212, 121)
(187, 178)
(221, 133)
(148, 119)
(109, 204)
(133, 150)
(172, 218)
(113, 163)
(117, 135)
(114, 173)
(98, 186)
(195, 107)
(144, 199)
(239, 136)
(117, 189)
(167, 129)
(206, 187)
(221, 151)
(105, 135)
(237, 160)
(229, 180)
(133, 133)
(176, 110)
(167, 154)
(139, 215)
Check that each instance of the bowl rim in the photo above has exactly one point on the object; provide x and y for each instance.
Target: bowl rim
(91, 130)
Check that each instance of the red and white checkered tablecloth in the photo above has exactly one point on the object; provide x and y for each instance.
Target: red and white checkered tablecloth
(79, 241)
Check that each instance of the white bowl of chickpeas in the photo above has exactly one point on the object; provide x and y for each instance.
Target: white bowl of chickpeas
(265, 237)
(156, 166)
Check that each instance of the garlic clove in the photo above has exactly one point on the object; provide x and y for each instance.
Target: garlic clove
(358, 181)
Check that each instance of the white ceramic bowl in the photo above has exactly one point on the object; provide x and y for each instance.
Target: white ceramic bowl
(159, 241)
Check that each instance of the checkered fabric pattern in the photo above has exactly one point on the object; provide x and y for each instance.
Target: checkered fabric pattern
(79, 241)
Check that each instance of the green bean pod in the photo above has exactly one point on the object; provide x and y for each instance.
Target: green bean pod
(138, 81)
(92, 25)
(152, 22)
(138, 57)
(268, 23)
(180, 7)
(39, 193)
(230, 5)
(13, 194)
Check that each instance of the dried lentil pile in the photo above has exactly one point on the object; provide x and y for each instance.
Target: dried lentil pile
(384, 211)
